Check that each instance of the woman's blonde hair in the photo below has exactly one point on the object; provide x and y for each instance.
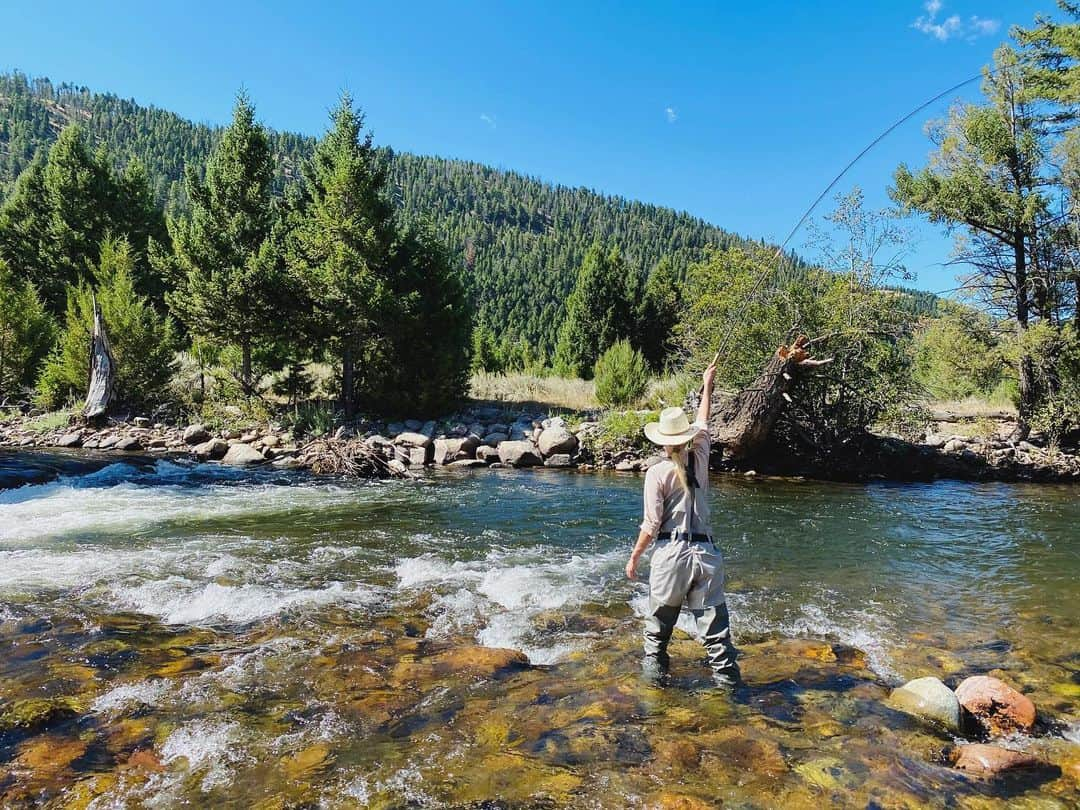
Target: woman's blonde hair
(678, 455)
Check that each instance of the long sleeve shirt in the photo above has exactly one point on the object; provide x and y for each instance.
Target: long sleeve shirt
(666, 503)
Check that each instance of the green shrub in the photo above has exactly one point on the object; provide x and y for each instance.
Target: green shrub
(621, 375)
(142, 341)
(310, 419)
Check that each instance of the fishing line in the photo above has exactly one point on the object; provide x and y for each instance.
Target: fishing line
(817, 201)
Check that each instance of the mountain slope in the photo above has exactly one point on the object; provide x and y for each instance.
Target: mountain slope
(520, 239)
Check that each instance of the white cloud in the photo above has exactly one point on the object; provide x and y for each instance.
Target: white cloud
(952, 26)
(671, 115)
(488, 119)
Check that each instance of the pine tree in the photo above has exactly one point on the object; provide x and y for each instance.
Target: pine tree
(987, 175)
(25, 224)
(485, 351)
(598, 312)
(78, 189)
(421, 363)
(230, 282)
(657, 313)
(26, 332)
(340, 245)
(142, 341)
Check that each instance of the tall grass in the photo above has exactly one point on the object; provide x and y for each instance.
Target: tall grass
(553, 392)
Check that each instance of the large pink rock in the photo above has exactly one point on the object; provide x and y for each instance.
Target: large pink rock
(997, 707)
(987, 760)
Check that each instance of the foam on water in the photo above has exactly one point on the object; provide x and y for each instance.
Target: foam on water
(128, 695)
(504, 592)
(177, 600)
(207, 745)
(125, 498)
(863, 630)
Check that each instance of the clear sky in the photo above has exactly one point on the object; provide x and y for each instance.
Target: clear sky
(736, 112)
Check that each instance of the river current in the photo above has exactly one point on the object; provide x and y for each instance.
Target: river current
(196, 635)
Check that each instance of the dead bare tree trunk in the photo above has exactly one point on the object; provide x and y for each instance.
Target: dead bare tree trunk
(742, 424)
(102, 371)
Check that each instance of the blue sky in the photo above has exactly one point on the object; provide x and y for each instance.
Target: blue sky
(738, 113)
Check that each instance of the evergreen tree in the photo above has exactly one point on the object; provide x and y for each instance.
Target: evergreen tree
(142, 341)
(340, 245)
(420, 364)
(25, 244)
(64, 204)
(598, 312)
(230, 282)
(79, 191)
(485, 351)
(26, 332)
(657, 313)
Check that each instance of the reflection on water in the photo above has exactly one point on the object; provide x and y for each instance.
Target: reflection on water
(180, 633)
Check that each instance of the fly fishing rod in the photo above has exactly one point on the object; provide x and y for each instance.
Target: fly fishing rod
(817, 201)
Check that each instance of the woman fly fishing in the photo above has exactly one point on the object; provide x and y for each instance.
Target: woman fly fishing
(686, 565)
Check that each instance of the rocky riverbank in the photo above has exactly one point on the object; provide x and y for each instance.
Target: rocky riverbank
(493, 437)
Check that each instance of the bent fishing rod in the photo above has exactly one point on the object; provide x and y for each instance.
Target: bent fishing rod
(832, 184)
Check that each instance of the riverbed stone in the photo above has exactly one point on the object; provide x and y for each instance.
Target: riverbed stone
(37, 713)
(988, 760)
(495, 439)
(129, 444)
(930, 699)
(196, 434)
(241, 454)
(996, 707)
(73, 439)
(520, 453)
(462, 661)
(556, 440)
(559, 460)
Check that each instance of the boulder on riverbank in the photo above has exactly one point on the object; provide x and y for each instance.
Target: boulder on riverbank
(521, 453)
(241, 454)
(196, 434)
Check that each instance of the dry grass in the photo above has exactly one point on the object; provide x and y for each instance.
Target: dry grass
(974, 408)
(551, 392)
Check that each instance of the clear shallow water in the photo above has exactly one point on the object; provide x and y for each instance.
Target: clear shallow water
(225, 620)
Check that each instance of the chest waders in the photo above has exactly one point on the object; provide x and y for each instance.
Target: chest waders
(687, 567)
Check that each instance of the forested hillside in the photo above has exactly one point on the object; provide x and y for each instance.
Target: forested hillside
(521, 240)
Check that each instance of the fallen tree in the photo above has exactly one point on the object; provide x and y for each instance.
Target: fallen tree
(741, 425)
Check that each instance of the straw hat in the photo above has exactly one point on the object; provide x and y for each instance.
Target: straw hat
(673, 428)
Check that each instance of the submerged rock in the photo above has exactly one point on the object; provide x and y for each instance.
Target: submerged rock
(928, 698)
(988, 760)
(36, 713)
(996, 707)
(475, 661)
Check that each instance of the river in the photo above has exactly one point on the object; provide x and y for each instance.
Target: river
(195, 635)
